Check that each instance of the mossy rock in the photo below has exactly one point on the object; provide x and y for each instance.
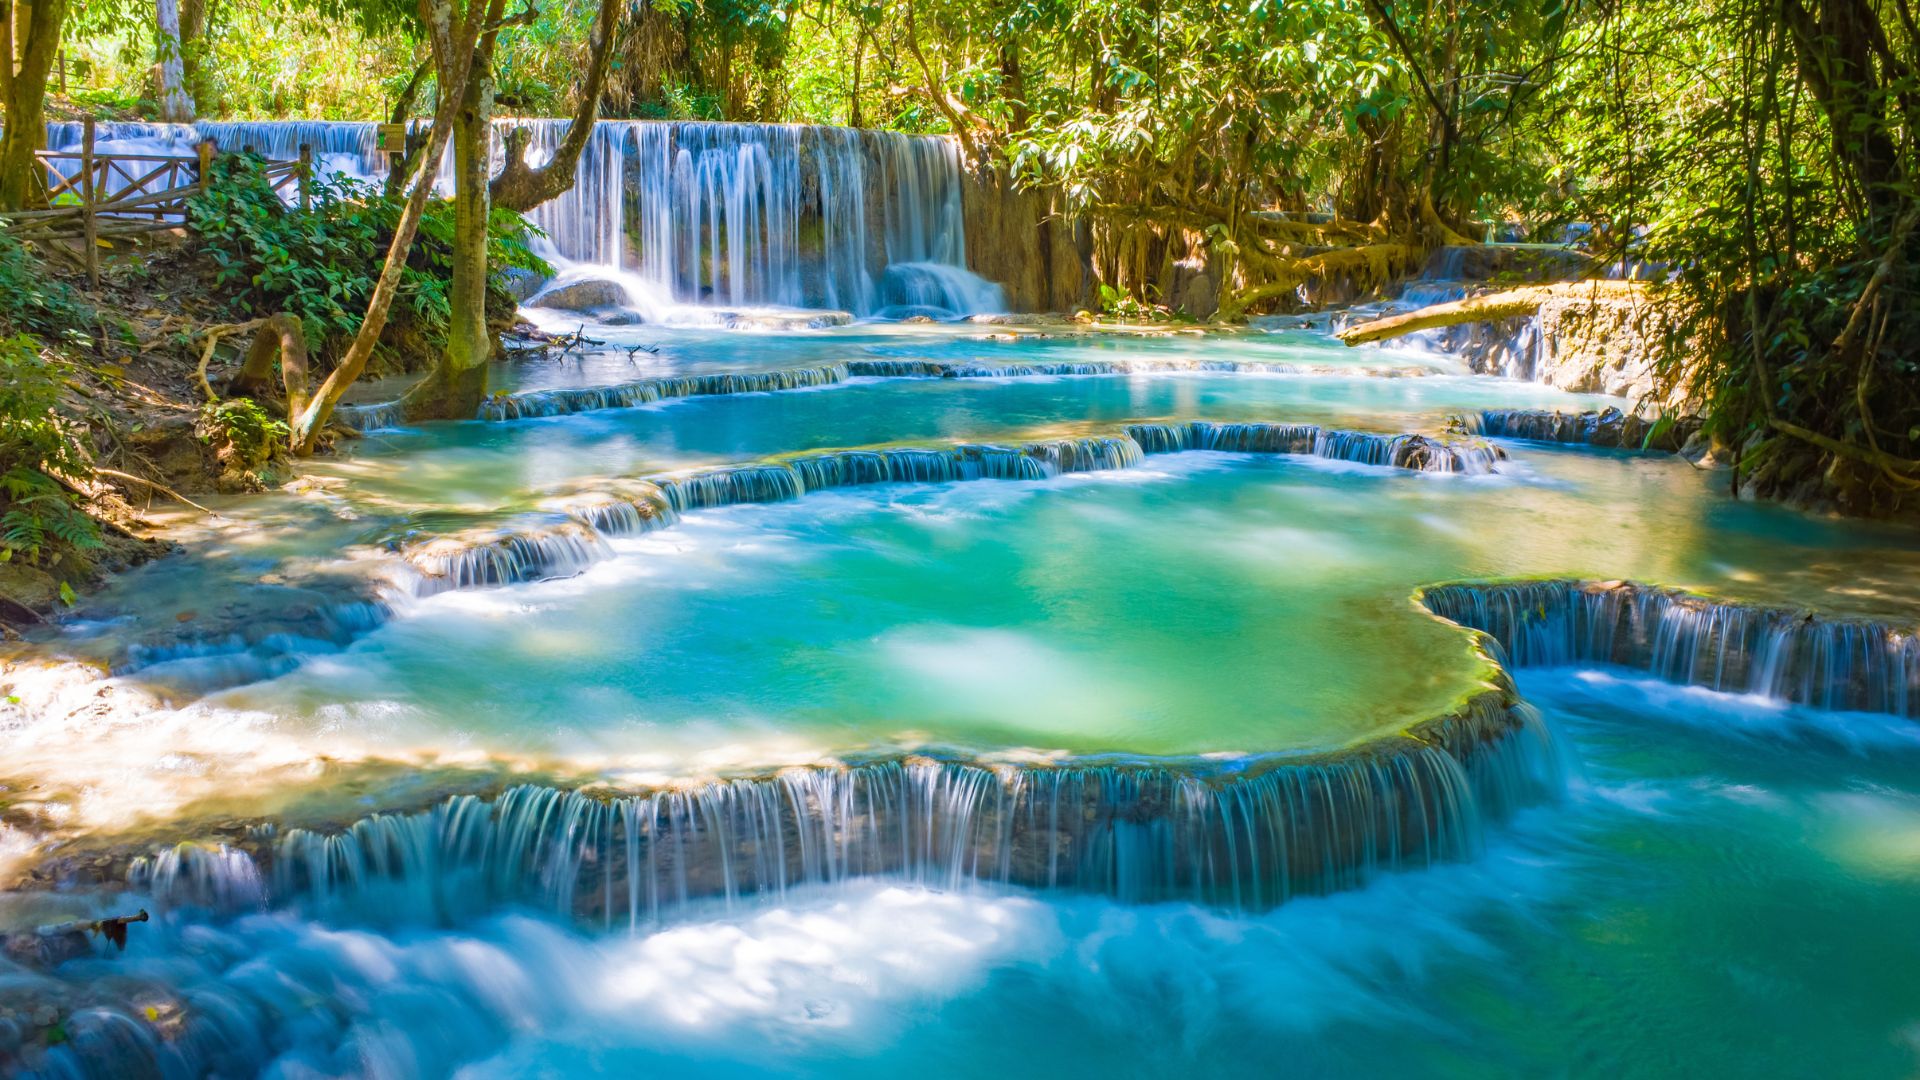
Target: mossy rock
(28, 587)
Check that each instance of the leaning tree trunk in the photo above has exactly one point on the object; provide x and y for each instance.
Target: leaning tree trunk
(454, 46)
(459, 381)
(37, 42)
(193, 32)
(176, 104)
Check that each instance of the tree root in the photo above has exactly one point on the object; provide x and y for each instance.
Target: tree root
(1375, 264)
(155, 485)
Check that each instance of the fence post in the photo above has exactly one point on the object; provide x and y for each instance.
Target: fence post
(88, 194)
(306, 171)
(206, 164)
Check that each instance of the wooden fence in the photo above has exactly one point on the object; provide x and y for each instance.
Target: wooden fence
(95, 198)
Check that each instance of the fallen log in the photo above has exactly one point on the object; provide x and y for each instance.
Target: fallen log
(1493, 307)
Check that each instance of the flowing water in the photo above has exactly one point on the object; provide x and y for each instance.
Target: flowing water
(967, 698)
(694, 218)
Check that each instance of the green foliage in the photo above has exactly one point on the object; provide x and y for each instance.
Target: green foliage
(242, 424)
(32, 301)
(1121, 305)
(36, 443)
(1769, 203)
(321, 263)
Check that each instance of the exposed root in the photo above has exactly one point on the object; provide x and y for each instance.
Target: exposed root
(155, 485)
(1371, 264)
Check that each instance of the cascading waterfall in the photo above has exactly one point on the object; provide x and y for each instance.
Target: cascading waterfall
(381, 416)
(562, 402)
(260, 648)
(547, 550)
(1796, 656)
(1249, 838)
(1606, 427)
(1419, 453)
(558, 550)
(530, 404)
(740, 215)
(798, 216)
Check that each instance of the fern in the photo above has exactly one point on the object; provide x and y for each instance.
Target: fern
(37, 515)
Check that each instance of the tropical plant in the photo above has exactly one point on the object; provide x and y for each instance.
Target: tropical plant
(39, 445)
(320, 261)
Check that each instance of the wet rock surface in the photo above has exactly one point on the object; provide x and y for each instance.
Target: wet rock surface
(583, 296)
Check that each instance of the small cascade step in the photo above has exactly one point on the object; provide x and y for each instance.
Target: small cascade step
(1781, 653)
(1249, 838)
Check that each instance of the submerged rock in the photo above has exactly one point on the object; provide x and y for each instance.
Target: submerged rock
(787, 320)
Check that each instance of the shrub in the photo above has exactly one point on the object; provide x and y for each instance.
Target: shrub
(240, 423)
(37, 443)
(321, 263)
(33, 302)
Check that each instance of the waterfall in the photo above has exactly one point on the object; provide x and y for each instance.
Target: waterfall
(1249, 837)
(1418, 453)
(1606, 427)
(530, 404)
(261, 648)
(559, 550)
(565, 401)
(546, 549)
(710, 214)
(381, 416)
(1789, 655)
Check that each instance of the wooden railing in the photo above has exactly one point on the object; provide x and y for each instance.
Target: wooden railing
(92, 197)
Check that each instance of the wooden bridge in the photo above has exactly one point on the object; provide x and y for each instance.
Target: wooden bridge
(97, 198)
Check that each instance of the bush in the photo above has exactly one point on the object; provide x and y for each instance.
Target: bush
(321, 263)
(244, 426)
(37, 443)
(32, 301)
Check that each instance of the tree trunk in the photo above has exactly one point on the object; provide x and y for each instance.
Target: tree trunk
(521, 188)
(6, 51)
(1512, 304)
(193, 31)
(459, 381)
(176, 105)
(1836, 61)
(454, 48)
(21, 182)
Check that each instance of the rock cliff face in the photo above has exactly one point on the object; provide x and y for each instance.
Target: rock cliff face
(1021, 239)
(1585, 344)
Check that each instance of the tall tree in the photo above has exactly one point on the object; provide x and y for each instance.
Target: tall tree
(31, 50)
(458, 382)
(454, 32)
(176, 101)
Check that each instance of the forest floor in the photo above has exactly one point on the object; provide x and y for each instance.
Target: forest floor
(129, 360)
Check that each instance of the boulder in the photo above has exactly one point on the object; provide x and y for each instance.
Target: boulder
(588, 295)
(522, 285)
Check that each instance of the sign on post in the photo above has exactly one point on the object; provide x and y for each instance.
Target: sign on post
(391, 138)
